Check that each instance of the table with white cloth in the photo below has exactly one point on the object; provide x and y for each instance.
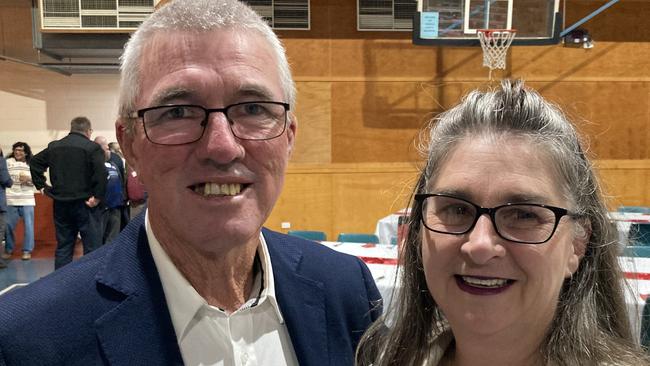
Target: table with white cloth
(624, 220)
(386, 229)
(381, 260)
(383, 264)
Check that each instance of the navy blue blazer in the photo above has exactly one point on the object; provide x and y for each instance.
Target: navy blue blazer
(109, 308)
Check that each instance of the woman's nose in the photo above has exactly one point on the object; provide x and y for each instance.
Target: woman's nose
(483, 242)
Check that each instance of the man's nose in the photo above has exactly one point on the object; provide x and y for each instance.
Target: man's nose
(483, 242)
(219, 143)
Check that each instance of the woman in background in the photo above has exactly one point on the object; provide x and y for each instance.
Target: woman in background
(20, 200)
(510, 257)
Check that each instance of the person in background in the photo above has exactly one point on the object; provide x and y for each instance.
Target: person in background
(118, 159)
(5, 182)
(510, 257)
(115, 156)
(205, 119)
(78, 176)
(115, 148)
(109, 213)
(20, 200)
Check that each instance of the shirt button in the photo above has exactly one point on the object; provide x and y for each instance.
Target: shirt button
(244, 358)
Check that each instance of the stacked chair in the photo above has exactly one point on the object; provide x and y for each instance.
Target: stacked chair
(358, 238)
(309, 234)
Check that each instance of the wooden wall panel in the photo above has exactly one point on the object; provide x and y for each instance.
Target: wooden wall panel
(611, 61)
(305, 203)
(382, 59)
(378, 121)
(335, 198)
(626, 182)
(310, 59)
(613, 115)
(314, 133)
(360, 199)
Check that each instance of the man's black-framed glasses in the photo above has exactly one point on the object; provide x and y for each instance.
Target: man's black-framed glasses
(526, 223)
(185, 123)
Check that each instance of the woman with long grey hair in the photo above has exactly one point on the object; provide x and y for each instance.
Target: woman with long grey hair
(510, 258)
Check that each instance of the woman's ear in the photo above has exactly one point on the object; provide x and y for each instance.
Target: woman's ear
(580, 242)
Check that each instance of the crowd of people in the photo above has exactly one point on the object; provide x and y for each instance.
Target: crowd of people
(87, 181)
(510, 258)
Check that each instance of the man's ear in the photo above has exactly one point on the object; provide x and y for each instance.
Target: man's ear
(580, 242)
(291, 132)
(125, 137)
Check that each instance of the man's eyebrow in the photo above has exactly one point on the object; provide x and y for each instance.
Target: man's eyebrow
(167, 96)
(255, 91)
(170, 96)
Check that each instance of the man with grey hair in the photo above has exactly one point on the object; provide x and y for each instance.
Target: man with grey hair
(205, 121)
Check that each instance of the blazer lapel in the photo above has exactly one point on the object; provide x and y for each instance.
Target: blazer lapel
(302, 302)
(139, 329)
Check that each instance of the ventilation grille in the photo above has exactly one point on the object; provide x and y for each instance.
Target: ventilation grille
(386, 14)
(282, 14)
(94, 14)
(128, 14)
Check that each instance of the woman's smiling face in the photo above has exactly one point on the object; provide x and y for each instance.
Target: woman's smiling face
(484, 284)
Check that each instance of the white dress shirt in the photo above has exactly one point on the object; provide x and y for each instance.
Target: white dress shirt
(255, 334)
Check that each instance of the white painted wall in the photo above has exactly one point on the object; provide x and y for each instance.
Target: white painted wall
(36, 105)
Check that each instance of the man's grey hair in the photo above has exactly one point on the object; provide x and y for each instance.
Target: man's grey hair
(80, 124)
(201, 16)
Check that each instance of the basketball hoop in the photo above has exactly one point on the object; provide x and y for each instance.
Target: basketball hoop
(495, 43)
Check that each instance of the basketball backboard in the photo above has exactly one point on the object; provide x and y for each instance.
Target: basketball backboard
(455, 22)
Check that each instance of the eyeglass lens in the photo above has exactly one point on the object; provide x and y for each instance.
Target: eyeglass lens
(184, 123)
(518, 222)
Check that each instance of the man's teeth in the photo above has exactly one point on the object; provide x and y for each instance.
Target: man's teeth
(228, 189)
(484, 282)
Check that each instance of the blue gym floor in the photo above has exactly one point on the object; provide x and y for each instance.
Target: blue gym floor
(20, 272)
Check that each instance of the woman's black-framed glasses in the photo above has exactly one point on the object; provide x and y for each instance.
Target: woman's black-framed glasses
(185, 123)
(526, 223)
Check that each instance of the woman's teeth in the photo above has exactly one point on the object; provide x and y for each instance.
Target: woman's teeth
(228, 189)
(484, 282)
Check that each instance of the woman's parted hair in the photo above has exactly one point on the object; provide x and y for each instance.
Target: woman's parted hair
(200, 16)
(591, 321)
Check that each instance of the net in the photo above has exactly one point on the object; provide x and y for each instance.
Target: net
(495, 43)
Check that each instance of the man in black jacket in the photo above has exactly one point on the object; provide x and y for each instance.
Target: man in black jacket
(78, 179)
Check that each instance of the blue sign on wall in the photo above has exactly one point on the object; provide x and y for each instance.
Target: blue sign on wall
(429, 25)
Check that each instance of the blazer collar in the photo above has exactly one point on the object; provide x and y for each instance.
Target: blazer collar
(139, 329)
(301, 300)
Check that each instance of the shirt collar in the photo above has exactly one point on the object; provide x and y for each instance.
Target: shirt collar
(183, 300)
